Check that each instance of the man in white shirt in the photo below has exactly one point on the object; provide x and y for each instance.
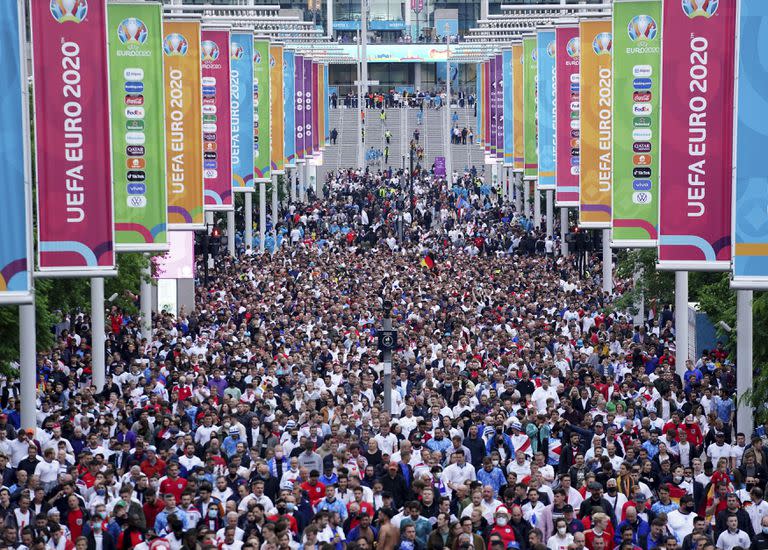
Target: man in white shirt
(719, 449)
(544, 392)
(758, 510)
(533, 509)
(680, 521)
(458, 472)
(733, 536)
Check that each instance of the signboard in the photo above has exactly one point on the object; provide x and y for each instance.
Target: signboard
(518, 118)
(530, 109)
(317, 131)
(16, 224)
(217, 119)
(277, 101)
(567, 96)
(750, 201)
(261, 105)
(184, 146)
(636, 92)
(241, 92)
(508, 117)
(179, 261)
(595, 123)
(498, 80)
(309, 99)
(72, 136)
(697, 136)
(299, 105)
(545, 108)
(493, 133)
(289, 109)
(440, 167)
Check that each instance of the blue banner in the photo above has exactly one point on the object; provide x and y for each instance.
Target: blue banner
(750, 224)
(241, 52)
(506, 69)
(289, 104)
(327, 100)
(15, 273)
(545, 50)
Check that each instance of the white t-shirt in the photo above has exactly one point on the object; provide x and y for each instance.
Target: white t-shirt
(557, 543)
(715, 452)
(728, 540)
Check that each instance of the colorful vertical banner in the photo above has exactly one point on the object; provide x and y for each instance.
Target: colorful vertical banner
(567, 98)
(508, 117)
(494, 136)
(135, 44)
(262, 163)
(488, 133)
(217, 119)
(309, 98)
(750, 181)
(327, 103)
(530, 99)
(499, 102)
(636, 93)
(479, 102)
(595, 124)
(72, 137)
(289, 108)
(315, 102)
(184, 144)
(298, 89)
(15, 255)
(518, 118)
(241, 91)
(545, 107)
(277, 101)
(697, 138)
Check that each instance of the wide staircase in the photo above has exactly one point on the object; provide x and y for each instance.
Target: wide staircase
(401, 123)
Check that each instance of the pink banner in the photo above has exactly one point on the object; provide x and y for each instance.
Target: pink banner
(567, 109)
(696, 135)
(498, 81)
(487, 105)
(492, 104)
(316, 96)
(72, 137)
(217, 118)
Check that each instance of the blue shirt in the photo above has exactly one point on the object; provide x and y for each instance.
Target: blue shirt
(335, 506)
(495, 478)
(161, 522)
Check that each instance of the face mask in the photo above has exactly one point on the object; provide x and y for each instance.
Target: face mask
(502, 521)
(103, 515)
(495, 462)
(677, 479)
(688, 479)
(212, 513)
(765, 530)
(561, 531)
(101, 492)
(291, 507)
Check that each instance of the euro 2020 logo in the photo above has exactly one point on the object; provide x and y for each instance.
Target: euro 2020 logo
(69, 11)
(551, 49)
(573, 48)
(237, 51)
(132, 31)
(642, 28)
(700, 8)
(175, 45)
(209, 50)
(257, 57)
(603, 43)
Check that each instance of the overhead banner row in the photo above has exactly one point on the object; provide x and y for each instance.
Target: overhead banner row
(651, 122)
(141, 124)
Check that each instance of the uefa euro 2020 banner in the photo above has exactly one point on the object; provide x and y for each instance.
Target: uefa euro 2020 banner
(309, 129)
(241, 91)
(184, 144)
(15, 223)
(261, 152)
(289, 108)
(499, 103)
(327, 103)
(217, 119)
(298, 89)
(74, 172)
(545, 107)
(315, 106)
(567, 97)
(595, 123)
(530, 128)
(135, 42)
(494, 117)
(506, 69)
(277, 101)
(696, 135)
(518, 122)
(750, 200)
(636, 92)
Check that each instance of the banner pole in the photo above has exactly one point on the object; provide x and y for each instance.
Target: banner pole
(98, 366)
(550, 214)
(146, 300)
(231, 232)
(275, 183)
(607, 262)
(563, 231)
(517, 186)
(536, 207)
(526, 197)
(681, 321)
(744, 413)
(262, 214)
(248, 232)
(28, 371)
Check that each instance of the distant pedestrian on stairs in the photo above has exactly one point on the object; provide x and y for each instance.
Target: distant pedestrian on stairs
(387, 136)
(334, 135)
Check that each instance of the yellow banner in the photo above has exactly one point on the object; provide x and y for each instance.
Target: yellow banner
(595, 79)
(183, 124)
(276, 107)
(517, 107)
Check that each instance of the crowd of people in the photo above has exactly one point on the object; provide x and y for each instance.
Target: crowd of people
(526, 410)
(396, 99)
